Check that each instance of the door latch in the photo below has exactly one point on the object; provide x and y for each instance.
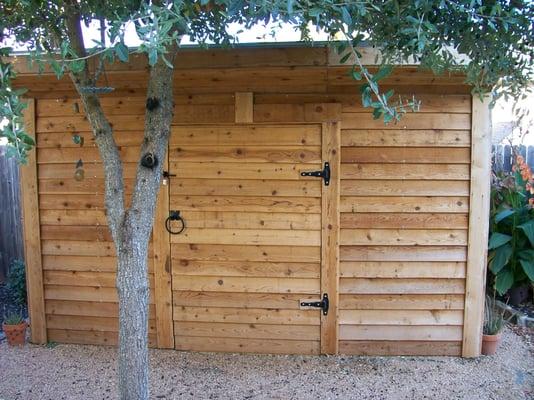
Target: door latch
(323, 304)
(325, 173)
(166, 177)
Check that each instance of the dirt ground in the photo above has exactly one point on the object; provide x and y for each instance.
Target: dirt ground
(88, 372)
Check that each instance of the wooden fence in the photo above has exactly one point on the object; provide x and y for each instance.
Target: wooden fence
(503, 157)
(11, 244)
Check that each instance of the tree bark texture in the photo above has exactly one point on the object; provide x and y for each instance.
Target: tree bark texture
(130, 226)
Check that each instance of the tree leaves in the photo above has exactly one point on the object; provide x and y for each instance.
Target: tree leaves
(528, 230)
(500, 257)
(504, 281)
(122, 51)
(503, 214)
(498, 239)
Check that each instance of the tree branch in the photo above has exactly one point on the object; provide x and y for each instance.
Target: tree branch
(102, 129)
(158, 119)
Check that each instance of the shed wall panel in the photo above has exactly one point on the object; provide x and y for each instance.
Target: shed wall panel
(404, 214)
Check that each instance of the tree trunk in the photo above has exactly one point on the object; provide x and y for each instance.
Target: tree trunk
(133, 291)
(130, 227)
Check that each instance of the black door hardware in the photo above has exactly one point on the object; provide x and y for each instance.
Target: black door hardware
(323, 304)
(325, 173)
(174, 216)
(166, 177)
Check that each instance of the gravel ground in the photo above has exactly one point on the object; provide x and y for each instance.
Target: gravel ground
(88, 372)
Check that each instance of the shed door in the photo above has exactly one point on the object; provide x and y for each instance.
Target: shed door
(251, 252)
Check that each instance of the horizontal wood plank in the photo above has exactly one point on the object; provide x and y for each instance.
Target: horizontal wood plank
(247, 331)
(233, 345)
(247, 154)
(276, 204)
(405, 204)
(363, 187)
(440, 120)
(401, 302)
(246, 284)
(411, 155)
(448, 172)
(401, 286)
(246, 316)
(405, 137)
(246, 253)
(245, 269)
(406, 269)
(244, 187)
(403, 237)
(243, 135)
(284, 301)
(268, 237)
(403, 253)
(252, 220)
(401, 317)
(401, 333)
(403, 221)
(400, 348)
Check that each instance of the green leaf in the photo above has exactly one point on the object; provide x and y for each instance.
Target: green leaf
(528, 267)
(344, 58)
(383, 72)
(500, 257)
(498, 239)
(356, 75)
(377, 113)
(152, 56)
(503, 214)
(122, 52)
(77, 66)
(528, 229)
(504, 281)
(347, 18)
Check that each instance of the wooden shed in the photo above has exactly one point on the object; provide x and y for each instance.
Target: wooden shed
(396, 240)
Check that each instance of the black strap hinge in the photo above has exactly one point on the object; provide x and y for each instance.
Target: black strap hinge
(325, 173)
(323, 304)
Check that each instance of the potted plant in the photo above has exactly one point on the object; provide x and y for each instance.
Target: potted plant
(14, 327)
(493, 324)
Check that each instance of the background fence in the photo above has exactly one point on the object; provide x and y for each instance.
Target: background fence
(11, 245)
(503, 157)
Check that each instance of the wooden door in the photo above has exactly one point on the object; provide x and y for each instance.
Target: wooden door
(252, 250)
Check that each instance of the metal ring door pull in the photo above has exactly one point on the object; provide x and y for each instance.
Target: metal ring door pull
(174, 216)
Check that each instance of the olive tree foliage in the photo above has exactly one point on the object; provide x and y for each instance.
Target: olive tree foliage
(489, 40)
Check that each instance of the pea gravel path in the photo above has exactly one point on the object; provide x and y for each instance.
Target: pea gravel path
(88, 372)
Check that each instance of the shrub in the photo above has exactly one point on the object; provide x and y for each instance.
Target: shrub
(16, 281)
(511, 242)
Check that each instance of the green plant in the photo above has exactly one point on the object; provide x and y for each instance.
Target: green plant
(511, 242)
(13, 318)
(16, 281)
(493, 317)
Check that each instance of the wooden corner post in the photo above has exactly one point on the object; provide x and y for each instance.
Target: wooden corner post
(162, 268)
(479, 205)
(32, 237)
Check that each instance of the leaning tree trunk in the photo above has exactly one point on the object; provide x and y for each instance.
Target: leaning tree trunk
(130, 226)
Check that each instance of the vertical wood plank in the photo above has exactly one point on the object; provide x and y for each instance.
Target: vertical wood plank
(162, 269)
(479, 202)
(244, 107)
(330, 237)
(32, 237)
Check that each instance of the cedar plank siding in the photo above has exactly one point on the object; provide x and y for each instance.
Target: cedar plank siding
(404, 205)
